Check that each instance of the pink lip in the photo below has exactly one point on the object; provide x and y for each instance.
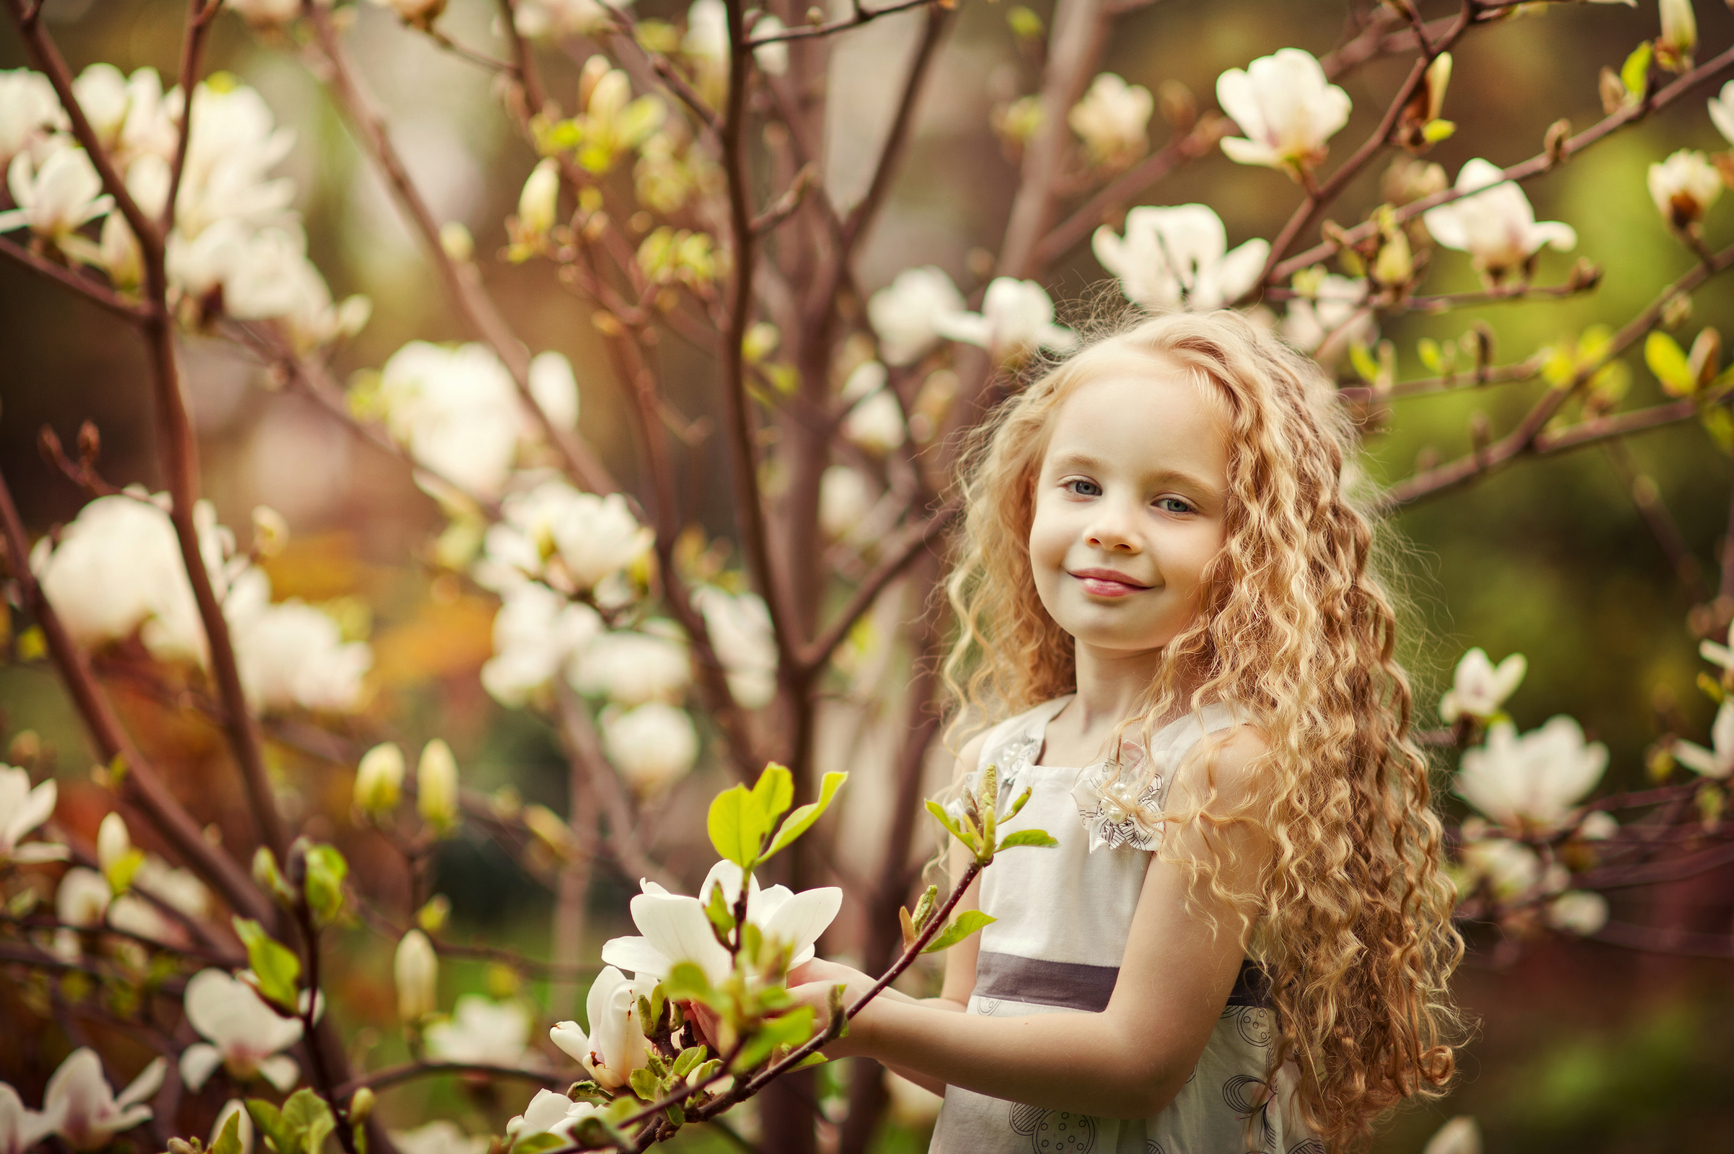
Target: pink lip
(1107, 582)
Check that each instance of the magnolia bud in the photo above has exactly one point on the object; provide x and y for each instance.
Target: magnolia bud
(1679, 37)
(361, 1106)
(436, 783)
(539, 201)
(417, 970)
(113, 843)
(456, 241)
(379, 778)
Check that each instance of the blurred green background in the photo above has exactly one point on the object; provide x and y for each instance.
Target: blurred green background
(1581, 1047)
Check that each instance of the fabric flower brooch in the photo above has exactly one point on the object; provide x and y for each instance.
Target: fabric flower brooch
(1120, 813)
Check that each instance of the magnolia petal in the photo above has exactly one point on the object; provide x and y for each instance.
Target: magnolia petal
(148, 1082)
(680, 931)
(38, 807)
(1238, 96)
(1696, 758)
(638, 955)
(281, 1071)
(572, 1040)
(1446, 227)
(1556, 233)
(1243, 151)
(198, 1062)
(36, 852)
(1240, 268)
(803, 917)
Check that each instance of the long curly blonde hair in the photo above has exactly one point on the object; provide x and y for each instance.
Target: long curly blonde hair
(1352, 912)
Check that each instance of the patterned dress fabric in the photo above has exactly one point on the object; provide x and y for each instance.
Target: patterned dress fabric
(1063, 918)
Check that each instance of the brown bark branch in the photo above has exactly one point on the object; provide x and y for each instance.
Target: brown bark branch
(90, 289)
(915, 541)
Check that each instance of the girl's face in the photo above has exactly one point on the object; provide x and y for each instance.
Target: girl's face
(1129, 507)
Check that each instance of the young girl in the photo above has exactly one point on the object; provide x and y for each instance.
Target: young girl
(1242, 940)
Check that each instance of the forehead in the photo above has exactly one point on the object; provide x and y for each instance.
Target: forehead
(1143, 413)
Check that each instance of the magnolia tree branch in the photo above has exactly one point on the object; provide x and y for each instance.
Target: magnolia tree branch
(855, 19)
(916, 540)
(462, 280)
(140, 784)
(89, 288)
(585, 752)
(1535, 166)
(1529, 436)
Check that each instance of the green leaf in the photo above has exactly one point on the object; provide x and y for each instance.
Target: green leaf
(1436, 130)
(1362, 358)
(792, 1029)
(687, 983)
(722, 918)
(275, 966)
(645, 1084)
(307, 1115)
(803, 818)
(229, 1139)
(326, 870)
(687, 1059)
(944, 819)
(536, 1143)
(1018, 804)
(1669, 363)
(268, 1120)
(774, 791)
(961, 927)
(1431, 355)
(1035, 837)
(738, 826)
(1636, 68)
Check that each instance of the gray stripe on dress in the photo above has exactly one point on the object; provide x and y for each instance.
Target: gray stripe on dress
(1068, 985)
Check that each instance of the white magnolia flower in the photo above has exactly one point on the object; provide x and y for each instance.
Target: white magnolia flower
(675, 928)
(633, 668)
(570, 539)
(292, 655)
(416, 969)
(379, 778)
(436, 785)
(1016, 318)
(1717, 761)
(1286, 108)
(457, 411)
(651, 744)
(266, 13)
(1479, 688)
(56, 198)
(85, 1109)
(537, 634)
(130, 115)
(1113, 119)
(234, 145)
(555, 388)
(1679, 33)
(22, 809)
(1578, 911)
(1510, 868)
(615, 1045)
(772, 58)
(82, 898)
(740, 632)
(1332, 318)
(1721, 109)
(1533, 780)
(20, 1129)
(440, 1136)
(845, 499)
(563, 17)
(548, 1113)
(1684, 186)
(242, 1034)
(876, 423)
(707, 31)
(176, 887)
(1719, 654)
(481, 1032)
(906, 312)
(1495, 226)
(30, 112)
(1179, 256)
(1598, 825)
(1458, 1136)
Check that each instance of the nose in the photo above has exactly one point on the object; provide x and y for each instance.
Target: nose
(1110, 529)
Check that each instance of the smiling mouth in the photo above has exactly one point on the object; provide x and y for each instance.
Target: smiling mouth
(1107, 582)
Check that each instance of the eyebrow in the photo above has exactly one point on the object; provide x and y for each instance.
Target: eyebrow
(1085, 460)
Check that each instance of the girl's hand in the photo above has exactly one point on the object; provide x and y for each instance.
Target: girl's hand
(811, 983)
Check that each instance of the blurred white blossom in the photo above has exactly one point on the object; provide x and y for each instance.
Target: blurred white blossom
(242, 1034)
(22, 809)
(537, 634)
(555, 388)
(1717, 761)
(1534, 780)
(1509, 868)
(537, 18)
(1684, 186)
(1016, 318)
(266, 13)
(85, 1109)
(436, 785)
(1286, 109)
(707, 31)
(1721, 107)
(1179, 255)
(379, 778)
(482, 1032)
(30, 112)
(650, 744)
(1459, 1136)
(440, 1136)
(291, 654)
(675, 928)
(56, 198)
(1113, 119)
(632, 668)
(457, 411)
(1578, 911)
(554, 533)
(845, 498)
(20, 1128)
(416, 969)
(615, 1045)
(740, 631)
(875, 423)
(906, 312)
(772, 58)
(1332, 318)
(537, 204)
(1495, 225)
(82, 898)
(1479, 688)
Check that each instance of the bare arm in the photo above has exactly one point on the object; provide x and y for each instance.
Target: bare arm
(1128, 1060)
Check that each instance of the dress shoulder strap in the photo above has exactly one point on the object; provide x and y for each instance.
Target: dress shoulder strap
(1018, 739)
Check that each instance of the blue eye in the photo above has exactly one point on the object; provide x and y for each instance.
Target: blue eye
(1082, 487)
(1173, 505)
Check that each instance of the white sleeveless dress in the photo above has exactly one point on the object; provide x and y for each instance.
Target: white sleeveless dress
(1063, 918)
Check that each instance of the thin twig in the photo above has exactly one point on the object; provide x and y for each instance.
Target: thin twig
(87, 287)
(855, 19)
(914, 543)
